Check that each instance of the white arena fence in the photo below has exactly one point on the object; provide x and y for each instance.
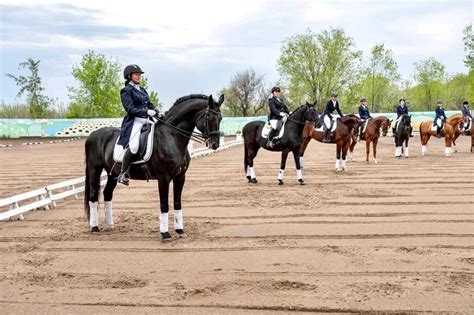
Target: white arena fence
(46, 197)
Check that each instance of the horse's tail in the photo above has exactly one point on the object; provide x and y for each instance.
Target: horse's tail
(87, 189)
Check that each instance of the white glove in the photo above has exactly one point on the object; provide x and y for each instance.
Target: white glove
(161, 115)
(151, 112)
(284, 118)
(283, 114)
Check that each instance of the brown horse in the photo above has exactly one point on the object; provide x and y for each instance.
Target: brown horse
(461, 131)
(449, 132)
(342, 138)
(372, 134)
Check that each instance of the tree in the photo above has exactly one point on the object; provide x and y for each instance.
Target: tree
(37, 102)
(380, 73)
(429, 73)
(98, 94)
(468, 39)
(153, 95)
(247, 94)
(313, 65)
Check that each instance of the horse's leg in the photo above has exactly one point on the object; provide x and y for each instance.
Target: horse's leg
(456, 135)
(406, 147)
(299, 173)
(338, 157)
(304, 145)
(178, 184)
(94, 186)
(398, 151)
(374, 144)
(424, 141)
(284, 156)
(345, 147)
(164, 186)
(108, 194)
(351, 148)
(447, 141)
(367, 150)
(250, 154)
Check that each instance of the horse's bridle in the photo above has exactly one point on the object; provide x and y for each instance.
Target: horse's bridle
(207, 133)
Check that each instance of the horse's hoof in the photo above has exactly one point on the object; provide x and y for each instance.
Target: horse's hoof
(109, 227)
(301, 182)
(166, 237)
(95, 230)
(280, 182)
(181, 233)
(253, 181)
(248, 177)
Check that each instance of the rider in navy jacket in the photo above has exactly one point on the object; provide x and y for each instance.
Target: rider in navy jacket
(136, 102)
(439, 112)
(331, 106)
(401, 109)
(465, 110)
(364, 113)
(278, 112)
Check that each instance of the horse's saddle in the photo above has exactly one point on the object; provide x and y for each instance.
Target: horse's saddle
(328, 123)
(467, 125)
(268, 127)
(145, 148)
(438, 124)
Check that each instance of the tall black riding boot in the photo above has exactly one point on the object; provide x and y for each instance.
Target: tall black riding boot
(327, 135)
(128, 158)
(271, 135)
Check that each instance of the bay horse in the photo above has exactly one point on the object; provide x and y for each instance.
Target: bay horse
(402, 135)
(450, 127)
(289, 142)
(372, 134)
(169, 160)
(342, 138)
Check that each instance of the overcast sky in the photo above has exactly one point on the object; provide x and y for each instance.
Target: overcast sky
(195, 46)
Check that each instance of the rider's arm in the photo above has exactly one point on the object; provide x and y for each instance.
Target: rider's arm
(127, 102)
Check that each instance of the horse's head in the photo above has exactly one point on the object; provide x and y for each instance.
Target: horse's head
(386, 123)
(209, 126)
(311, 114)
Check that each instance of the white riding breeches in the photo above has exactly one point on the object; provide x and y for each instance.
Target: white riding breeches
(134, 141)
(274, 123)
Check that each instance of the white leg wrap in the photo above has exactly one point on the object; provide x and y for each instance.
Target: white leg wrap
(338, 165)
(178, 219)
(94, 217)
(248, 171)
(350, 157)
(109, 218)
(280, 174)
(423, 149)
(301, 162)
(343, 165)
(406, 151)
(252, 172)
(398, 151)
(299, 174)
(164, 222)
(446, 151)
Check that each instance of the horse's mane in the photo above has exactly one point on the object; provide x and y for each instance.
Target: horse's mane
(455, 116)
(296, 110)
(189, 97)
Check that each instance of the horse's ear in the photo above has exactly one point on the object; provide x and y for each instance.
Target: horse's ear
(307, 104)
(211, 101)
(221, 100)
(315, 102)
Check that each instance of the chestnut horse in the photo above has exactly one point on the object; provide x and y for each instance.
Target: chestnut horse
(372, 134)
(342, 137)
(461, 131)
(449, 132)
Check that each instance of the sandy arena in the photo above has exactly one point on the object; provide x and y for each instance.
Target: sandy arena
(397, 236)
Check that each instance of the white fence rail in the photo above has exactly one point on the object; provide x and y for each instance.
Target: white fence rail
(47, 196)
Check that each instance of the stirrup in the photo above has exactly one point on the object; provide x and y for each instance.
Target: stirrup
(124, 178)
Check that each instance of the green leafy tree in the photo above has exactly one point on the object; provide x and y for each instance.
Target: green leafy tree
(247, 94)
(429, 74)
(31, 85)
(313, 65)
(380, 74)
(468, 39)
(98, 94)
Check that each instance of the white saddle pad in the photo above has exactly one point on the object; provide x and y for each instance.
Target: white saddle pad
(267, 128)
(439, 123)
(467, 124)
(119, 151)
(327, 122)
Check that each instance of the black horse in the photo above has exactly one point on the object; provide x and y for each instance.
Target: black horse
(169, 161)
(402, 135)
(290, 141)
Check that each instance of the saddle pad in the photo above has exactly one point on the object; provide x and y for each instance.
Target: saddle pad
(267, 128)
(438, 123)
(119, 151)
(326, 122)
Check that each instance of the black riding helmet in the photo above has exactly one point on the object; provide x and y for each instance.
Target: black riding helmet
(465, 103)
(439, 102)
(402, 99)
(333, 94)
(276, 89)
(131, 69)
(363, 99)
